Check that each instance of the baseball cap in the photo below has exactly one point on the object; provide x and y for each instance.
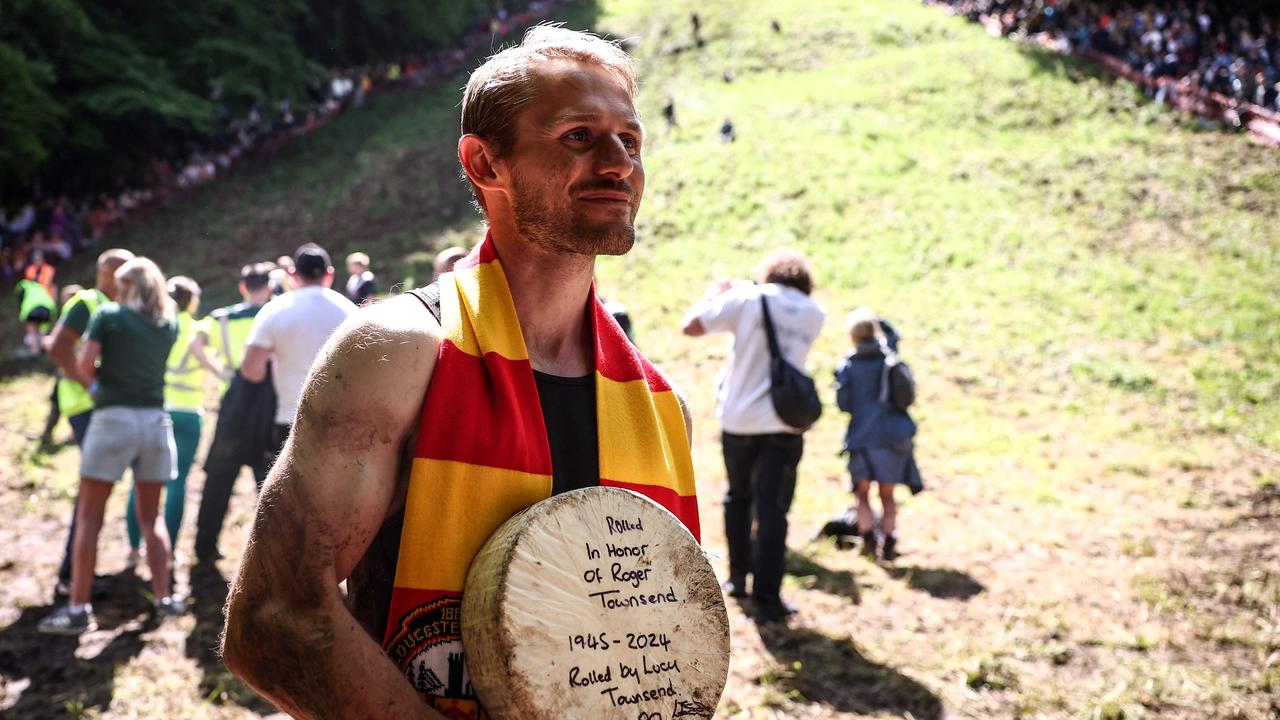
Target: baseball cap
(311, 261)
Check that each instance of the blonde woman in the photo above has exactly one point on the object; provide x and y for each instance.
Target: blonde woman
(184, 399)
(122, 362)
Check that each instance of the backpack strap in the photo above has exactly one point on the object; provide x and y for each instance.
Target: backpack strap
(768, 329)
(429, 296)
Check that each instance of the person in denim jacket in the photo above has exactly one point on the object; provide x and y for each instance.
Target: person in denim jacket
(879, 439)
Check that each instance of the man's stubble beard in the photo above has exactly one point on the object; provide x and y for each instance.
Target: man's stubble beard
(557, 230)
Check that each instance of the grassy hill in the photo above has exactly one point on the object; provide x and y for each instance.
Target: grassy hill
(1087, 290)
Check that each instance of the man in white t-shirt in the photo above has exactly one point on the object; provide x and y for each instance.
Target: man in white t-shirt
(291, 329)
(761, 452)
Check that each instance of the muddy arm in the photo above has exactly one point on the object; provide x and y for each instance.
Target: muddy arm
(288, 633)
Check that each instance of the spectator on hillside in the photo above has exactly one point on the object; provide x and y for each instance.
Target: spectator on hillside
(727, 133)
(447, 258)
(290, 330)
(761, 452)
(36, 311)
(184, 382)
(39, 271)
(361, 284)
(879, 437)
(246, 415)
(23, 221)
(130, 429)
(1208, 46)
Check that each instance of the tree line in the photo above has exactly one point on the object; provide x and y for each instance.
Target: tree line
(92, 90)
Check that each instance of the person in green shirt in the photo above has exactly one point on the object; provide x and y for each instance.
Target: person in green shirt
(184, 399)
(130, 429)
(74, 401)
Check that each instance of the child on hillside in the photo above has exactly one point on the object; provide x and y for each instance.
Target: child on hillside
(879, 439)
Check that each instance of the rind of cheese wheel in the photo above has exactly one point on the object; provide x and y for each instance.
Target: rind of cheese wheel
(540, 646)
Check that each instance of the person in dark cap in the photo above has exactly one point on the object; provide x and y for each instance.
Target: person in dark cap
(290, 330)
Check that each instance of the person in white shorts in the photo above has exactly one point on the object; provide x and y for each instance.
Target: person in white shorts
(130, 430)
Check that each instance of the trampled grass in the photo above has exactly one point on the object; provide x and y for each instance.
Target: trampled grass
(1086, 285)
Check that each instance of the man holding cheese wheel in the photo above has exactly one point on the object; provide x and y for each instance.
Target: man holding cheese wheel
(431, 418)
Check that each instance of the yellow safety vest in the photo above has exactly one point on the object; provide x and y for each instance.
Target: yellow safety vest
(184, 376)
(230, 332)
(74, 398)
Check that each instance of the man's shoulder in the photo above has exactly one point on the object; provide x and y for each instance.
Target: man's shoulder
(392, 343)
(403, 316)
(87, 300)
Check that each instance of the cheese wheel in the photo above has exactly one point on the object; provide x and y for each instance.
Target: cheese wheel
(596, 603)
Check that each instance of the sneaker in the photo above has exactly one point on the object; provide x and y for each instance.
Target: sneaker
(773, 610)
(869, 544)
(65, 621)
(734, 587)
(170, 606)
(890, 550)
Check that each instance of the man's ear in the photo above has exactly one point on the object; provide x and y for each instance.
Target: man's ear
(477, 156)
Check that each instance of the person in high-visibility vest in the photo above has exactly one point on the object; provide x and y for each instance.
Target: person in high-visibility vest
(245, 415)
(41, 272)
(184, 381)
(36, 310)
(66, 294)
(74, 401)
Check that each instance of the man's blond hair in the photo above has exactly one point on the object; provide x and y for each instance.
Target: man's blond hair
(504, 85)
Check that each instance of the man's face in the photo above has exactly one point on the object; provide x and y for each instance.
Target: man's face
(576, 175)
(107, 278)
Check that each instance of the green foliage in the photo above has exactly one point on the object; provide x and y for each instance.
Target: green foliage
(347, 32)
(29, 117)
(91, 90)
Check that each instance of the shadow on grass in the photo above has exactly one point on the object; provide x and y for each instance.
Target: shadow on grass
(814, 576)
(217, 684)
(938, 582)
(1072, 67)
(61, 683)
(828, 671)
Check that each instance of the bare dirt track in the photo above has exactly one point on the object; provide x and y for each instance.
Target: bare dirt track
(1159, 598)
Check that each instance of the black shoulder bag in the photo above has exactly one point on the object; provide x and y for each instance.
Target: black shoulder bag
(795, 397)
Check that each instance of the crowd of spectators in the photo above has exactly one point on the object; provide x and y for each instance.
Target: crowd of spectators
(1180, 48)
(50, 230)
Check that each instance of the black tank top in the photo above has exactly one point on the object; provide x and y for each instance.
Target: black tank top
(569, 412)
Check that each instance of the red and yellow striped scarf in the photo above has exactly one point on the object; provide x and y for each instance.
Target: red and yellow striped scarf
(482, 456)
